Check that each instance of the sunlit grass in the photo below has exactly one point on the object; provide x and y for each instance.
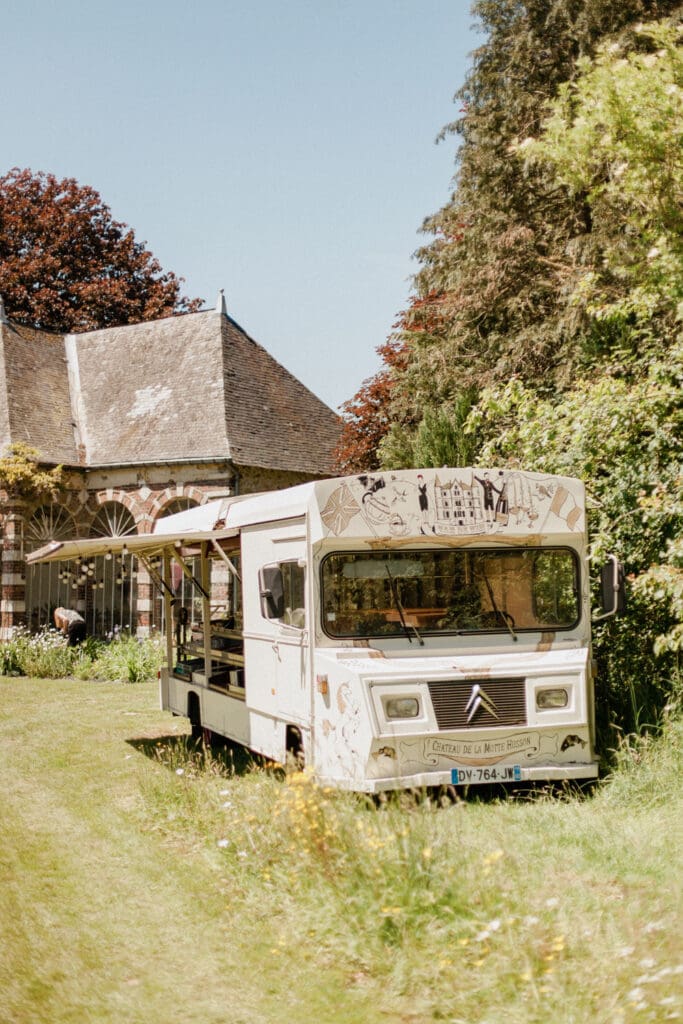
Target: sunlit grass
(453, 907)
(415, 908)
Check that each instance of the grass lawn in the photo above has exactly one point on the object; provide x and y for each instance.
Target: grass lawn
(140, 881)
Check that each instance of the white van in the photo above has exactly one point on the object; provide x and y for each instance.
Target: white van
(395, 629)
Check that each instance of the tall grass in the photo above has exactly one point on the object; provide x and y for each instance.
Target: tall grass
(461, 911)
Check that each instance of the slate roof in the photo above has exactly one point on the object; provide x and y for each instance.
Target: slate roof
(192, 386)
(35, 404)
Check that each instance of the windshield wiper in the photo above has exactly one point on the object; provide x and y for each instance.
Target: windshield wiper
(400, 610)
(505, 616)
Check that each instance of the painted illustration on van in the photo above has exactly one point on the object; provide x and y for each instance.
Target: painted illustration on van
(449, 503)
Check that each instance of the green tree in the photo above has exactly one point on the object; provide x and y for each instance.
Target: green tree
(615, 139)
(496, 279)
(625, 439)
(547, 324)
(440, 438)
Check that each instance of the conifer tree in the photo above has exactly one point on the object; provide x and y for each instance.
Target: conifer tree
(494, 288)
(497, 266)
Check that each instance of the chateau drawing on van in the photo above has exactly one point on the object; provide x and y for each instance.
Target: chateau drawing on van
(404, 504)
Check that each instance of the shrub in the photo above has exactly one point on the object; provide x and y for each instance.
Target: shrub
(128, 658)
(624, 439)
(45, 655)
(13, 652)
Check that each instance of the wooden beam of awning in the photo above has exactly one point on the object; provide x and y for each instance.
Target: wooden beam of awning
(148, 544)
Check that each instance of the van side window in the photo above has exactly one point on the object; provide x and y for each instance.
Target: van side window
(283, 594)
(295, 595)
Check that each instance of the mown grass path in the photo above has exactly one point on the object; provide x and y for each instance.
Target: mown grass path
(99, 921)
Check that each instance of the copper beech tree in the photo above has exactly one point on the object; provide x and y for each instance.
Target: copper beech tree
(366, 416)
(379, 403)
(67, 265)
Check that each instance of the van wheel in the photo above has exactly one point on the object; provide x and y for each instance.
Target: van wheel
(295, 759)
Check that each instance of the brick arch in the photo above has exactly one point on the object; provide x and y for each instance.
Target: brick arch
(171, 494)
(124, 498)
(112, 494)
(88, 509)
(72, 504)
(114, 498)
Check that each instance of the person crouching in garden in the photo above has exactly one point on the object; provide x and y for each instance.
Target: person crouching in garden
(71, 624)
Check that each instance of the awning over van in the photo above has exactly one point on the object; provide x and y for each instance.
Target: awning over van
(183, 529)
(147, 545)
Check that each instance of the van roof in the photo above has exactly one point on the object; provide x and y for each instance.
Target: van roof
(396, 505)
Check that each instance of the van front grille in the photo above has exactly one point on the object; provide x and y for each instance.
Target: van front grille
(478, 703)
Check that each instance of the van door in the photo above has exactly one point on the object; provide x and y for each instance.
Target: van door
(276, 620)
(291, 651)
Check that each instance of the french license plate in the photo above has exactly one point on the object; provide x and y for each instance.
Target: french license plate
(473, 776)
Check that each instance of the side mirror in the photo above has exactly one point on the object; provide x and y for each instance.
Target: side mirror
(612, 589)
(271, 592)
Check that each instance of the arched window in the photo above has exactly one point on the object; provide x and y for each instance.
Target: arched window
(111, 579)
(48, 586)
(112, 520)
(177, 505)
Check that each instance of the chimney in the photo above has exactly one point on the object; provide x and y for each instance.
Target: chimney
(220, 305)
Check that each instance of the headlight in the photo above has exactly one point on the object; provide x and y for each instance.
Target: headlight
(551, 699)
(402, 707)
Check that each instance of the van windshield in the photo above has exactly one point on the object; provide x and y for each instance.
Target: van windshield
(380, 593)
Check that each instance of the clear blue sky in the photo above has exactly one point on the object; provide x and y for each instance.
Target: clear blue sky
(283, 150)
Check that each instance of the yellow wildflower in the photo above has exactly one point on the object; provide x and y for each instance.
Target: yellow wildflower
(492, 858)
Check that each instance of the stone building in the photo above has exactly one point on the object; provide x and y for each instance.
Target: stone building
(146, 420)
